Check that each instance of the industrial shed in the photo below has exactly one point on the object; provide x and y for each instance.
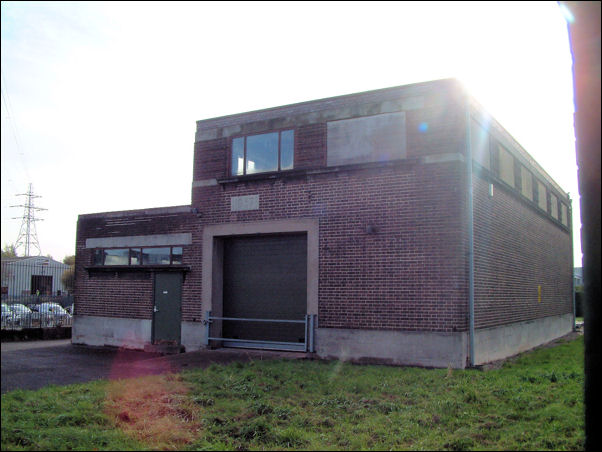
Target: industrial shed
(31, 275)
(402, 225)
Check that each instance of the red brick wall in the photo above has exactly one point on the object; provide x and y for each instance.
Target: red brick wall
(410, 274)
(210, 158)
(517, 249)
(310, 146)
(125, 293)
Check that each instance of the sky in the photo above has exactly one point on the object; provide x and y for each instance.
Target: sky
(100, 100)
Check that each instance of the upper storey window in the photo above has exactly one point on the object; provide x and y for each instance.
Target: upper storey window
(262, 153)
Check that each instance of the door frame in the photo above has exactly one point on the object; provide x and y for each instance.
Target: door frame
(153, 326)
(213, 257)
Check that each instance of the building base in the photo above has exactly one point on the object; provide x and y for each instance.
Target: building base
(501, 342)
(424, 349)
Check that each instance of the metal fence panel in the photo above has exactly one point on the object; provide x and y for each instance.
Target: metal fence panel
(36, 293)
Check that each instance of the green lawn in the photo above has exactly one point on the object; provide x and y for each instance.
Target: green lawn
(532, 402)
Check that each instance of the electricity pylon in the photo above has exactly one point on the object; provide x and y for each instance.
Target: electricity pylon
(28, 236)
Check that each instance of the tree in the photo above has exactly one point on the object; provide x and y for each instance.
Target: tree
(9, 250)
(68, 277)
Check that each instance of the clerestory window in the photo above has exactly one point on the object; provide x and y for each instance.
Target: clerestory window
(169, 255)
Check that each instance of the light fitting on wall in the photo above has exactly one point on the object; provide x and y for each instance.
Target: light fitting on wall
(370, 229)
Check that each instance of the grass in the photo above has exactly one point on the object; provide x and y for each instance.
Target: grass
(534, 401)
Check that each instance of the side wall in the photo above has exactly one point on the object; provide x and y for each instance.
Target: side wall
(522, 254)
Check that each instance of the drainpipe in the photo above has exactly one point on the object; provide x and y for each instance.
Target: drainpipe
(470, 235)
(570, 223)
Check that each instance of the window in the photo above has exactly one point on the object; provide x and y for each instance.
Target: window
(137, 256)
(479, 144)
(506, 165)
(526, 181)
(554, 206)
(564, 214)
(117, 256)
(262, 153)
(155, 256)
(542, 196)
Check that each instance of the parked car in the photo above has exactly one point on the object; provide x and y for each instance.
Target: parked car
(50, 315)
(7, 316)
(22, 315)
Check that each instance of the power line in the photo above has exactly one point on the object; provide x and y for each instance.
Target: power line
(28, 236)
(13, 124)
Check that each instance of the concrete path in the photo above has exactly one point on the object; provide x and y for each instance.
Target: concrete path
(35, 364)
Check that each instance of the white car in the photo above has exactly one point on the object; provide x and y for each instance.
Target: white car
(22, 315)
(51, 314)
(7, 316)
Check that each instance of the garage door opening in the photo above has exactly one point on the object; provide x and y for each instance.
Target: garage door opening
(265, 288)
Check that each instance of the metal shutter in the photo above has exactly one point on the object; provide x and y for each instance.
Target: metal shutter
(265, 277)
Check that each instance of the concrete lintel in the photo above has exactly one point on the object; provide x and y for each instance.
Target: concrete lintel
(204, 183)
(442, 158)
(184, 238)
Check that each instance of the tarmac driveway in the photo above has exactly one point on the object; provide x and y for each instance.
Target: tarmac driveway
(33, 365)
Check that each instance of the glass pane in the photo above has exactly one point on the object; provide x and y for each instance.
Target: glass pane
(554, 206)
(479, 144)
(526, 183)
(543, 196)
(135, 256)
(262, 153)
(117, 256)
(176, 255)
(506, 166)
(155, 256)
(565, 214)
(98, 255)
(287, 149)
(238, 156)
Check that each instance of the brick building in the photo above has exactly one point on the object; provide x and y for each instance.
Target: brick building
(403, 225)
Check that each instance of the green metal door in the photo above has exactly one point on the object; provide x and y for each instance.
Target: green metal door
(167, 308)
(265, 277)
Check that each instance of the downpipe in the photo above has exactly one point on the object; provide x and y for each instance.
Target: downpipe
(470, 219)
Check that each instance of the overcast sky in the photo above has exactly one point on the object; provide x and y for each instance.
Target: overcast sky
(99, 100)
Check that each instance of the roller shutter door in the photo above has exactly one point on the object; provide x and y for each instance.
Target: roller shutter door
(265, 277)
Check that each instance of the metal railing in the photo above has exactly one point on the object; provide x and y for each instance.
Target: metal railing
(35, 293)
(306, 346)
(45, 314)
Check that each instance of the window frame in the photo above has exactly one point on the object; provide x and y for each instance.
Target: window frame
(510, 181)
(474, 126)
(140, 248)
(525, 176)
(244, 164)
